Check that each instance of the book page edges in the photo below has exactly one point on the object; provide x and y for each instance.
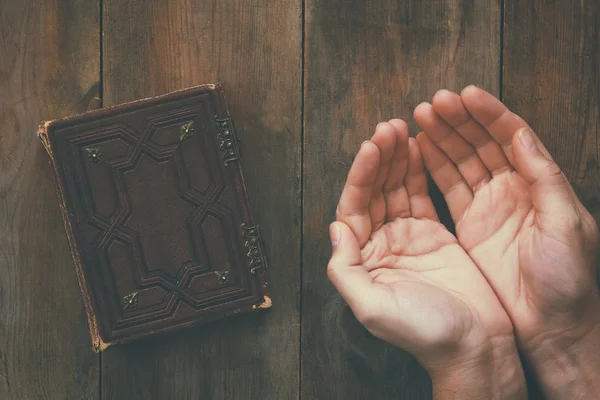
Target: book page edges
(98, 344)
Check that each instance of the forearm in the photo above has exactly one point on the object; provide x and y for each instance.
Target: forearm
(496, 374)
(568, 367)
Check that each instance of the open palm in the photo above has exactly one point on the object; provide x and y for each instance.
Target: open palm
(515, 213)
(403, 273)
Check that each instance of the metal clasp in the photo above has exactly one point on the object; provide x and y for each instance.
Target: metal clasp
(253, 243)
(226, 133)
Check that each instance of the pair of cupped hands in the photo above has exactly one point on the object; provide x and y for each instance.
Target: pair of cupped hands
(519, 276)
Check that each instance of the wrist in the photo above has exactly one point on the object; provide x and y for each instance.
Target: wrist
(566, 361)
(490, 371)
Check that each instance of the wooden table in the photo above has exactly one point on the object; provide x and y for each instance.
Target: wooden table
(307, 81)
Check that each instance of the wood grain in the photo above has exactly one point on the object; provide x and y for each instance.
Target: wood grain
(253, 48)
(366, 62)
(551, 77)
(49, 67)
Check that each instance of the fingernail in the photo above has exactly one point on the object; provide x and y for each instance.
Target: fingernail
(526, 138)
(334, 233)
(363, 143)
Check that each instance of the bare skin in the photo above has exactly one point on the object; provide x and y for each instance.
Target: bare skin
(409, 281)
(520, 271)
(519, 220)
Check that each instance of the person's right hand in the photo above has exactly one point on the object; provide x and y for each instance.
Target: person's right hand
(518, 219)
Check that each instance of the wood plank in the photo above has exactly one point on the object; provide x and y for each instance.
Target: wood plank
(551, 77)
(49, 67)
(367, 62)
(253, 48)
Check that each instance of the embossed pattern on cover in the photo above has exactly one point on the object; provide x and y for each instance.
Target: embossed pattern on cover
(157, 216)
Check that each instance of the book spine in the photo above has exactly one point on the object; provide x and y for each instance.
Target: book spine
(98, 344)
(260, 273)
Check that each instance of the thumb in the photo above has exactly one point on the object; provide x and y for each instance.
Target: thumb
(345, 271)
(550, 189)
(346, 250)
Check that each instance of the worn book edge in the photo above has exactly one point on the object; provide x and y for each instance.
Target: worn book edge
(98, 344)
(267, 300)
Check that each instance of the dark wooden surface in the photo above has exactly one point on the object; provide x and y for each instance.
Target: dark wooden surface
(368, 62)
(48, 67)
(159, 46)
(551, 77)
(307, 80)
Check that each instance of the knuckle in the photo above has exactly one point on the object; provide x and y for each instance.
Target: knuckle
(551, 176)
(341, 210)
(553, 170)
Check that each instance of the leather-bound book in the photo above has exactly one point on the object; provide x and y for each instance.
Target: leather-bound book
(156, 213)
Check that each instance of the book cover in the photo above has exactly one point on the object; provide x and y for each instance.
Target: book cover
(156, 213)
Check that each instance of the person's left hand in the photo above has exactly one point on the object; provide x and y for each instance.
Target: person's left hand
(403, 274)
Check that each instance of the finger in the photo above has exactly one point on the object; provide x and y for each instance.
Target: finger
(397, 170)
(385, 140)
(395, 194)
(346, 272)
(450, 108)
(499, 121)
(446, 176)
(462, 154)
(551, 191)
(421, 206)
(353, 208)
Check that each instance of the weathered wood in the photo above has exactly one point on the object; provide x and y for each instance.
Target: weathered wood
(253, 48)
(49, 67)
(551, 77)
(364, 62)
(367, 62)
